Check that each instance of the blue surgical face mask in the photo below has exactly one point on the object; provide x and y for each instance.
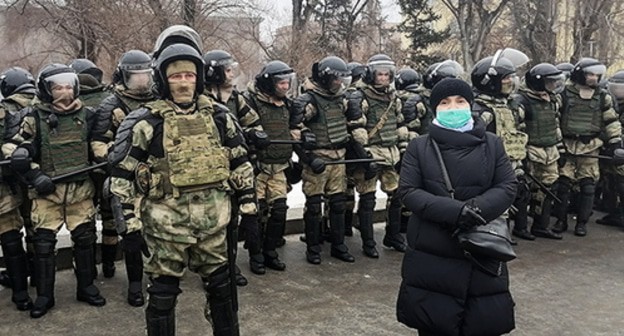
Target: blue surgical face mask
(454, 118)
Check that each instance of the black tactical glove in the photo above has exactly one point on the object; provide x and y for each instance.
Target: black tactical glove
(293, 172)
(308, 140)
(317, 165)
(258, 138)
(469, 217)
(20, 160)
(612, 147)
(43, 183)
(371, 169)
(134, 242)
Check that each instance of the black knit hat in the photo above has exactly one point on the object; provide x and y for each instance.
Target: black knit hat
(450, 87)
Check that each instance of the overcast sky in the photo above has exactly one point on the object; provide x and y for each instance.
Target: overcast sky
(281, 15)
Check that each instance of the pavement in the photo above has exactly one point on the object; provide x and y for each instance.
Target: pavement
(569, 287)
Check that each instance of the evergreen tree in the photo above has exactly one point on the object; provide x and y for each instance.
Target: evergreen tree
(418, 20)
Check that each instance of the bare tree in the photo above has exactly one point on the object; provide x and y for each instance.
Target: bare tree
(475, 19)
(534, 24)
(589, 16)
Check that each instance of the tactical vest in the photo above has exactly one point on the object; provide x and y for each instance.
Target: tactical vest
(330, 124)
(581, 117)
(541, 121)
(514, 141)
(194, 156)
(387, 136)
(65, 148)
(274, 120)
(93, 99)
(129, 103)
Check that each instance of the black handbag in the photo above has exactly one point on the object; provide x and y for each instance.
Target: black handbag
(491, 240)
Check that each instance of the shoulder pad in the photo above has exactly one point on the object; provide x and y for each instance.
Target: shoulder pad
(300, 102)
(13, 120)
(110, 103)
(123, 138)
(220, 108)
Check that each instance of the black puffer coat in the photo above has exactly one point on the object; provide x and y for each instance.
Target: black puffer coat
(442, 292)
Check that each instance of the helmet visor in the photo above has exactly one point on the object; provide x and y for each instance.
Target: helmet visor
(554, 83)
(283, 84)
(598, 69)
(66, 78)
(138, 80)
(617, 90)
(338, 84)
(517, 57)
(383, 73)
(510, 84)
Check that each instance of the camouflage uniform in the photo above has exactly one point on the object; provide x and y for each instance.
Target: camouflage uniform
(386, 138)
(271, 183)
(324, 114)
(587, 123)
(175, 183)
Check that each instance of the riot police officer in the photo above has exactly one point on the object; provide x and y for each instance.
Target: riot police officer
(92, 89)
(587, 117)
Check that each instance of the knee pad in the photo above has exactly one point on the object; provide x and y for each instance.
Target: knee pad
(165, 285)
(563, 184)
(313, 205)
(337, 203)
(367, 201)
(263, 207)
(12, 243)
(587, 186)
(84, 235)
(218, 279)
(109, 233)
(279, 208)
(44, 242)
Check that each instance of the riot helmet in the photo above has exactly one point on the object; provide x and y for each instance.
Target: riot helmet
(566, 68)
(616, 85)
(545, 77)
(16, 80)
(177, 34)
(56, 74)
(171, 54)
(377, 65)
(407, 77)
(219, 66)
(134, 71)
(438, 71)
(332, 74)
(495, 76)
(271, 79)
(88, 73)
(358, 70)
(588, 68)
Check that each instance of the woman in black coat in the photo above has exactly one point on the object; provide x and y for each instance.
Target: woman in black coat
(443, 292)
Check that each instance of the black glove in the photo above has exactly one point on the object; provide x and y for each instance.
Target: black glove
(43, 183)
(258, 138)
(134, 242)
(469, 217)
(317, 165)
(371, 169)
(308, 140)
(293, 172)
(20, 160)
(612, 147)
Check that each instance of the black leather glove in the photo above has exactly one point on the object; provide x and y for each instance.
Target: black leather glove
(317, 165)
(20, 160)
(134, 242)
(612, 147)
(43, 183)
(258, 138)
(371, 168)
(469, 217)
(308, 140)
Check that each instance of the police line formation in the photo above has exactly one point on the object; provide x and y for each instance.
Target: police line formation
(179, 163)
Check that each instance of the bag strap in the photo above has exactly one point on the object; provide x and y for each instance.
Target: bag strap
(447, 179)
(382, 121)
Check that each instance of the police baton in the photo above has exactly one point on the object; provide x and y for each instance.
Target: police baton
(285, 142)
(61, 177)
(352, 161)
(543, 188)
(5, 163)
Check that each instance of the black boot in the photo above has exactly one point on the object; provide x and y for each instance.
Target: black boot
(160, 312)
(134, 270)
(44, 242)
(336, 222)
(520, 229)
(312, 227)
(563, 187)
(586, 203)
(365, 216)
(16, 263)
(241, 280)
(5, 280)
(221, 307)
(541, 222)
(272, 234)
(256, 263)
(109, 253)
(393, 237)
(83, 237)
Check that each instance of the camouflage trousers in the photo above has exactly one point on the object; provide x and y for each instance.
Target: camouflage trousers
(547, 174)
(387, 176)
(577, 168)
(271, 186)
(10, 218)
(71, 204)
(186, 231)
(332, 181)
